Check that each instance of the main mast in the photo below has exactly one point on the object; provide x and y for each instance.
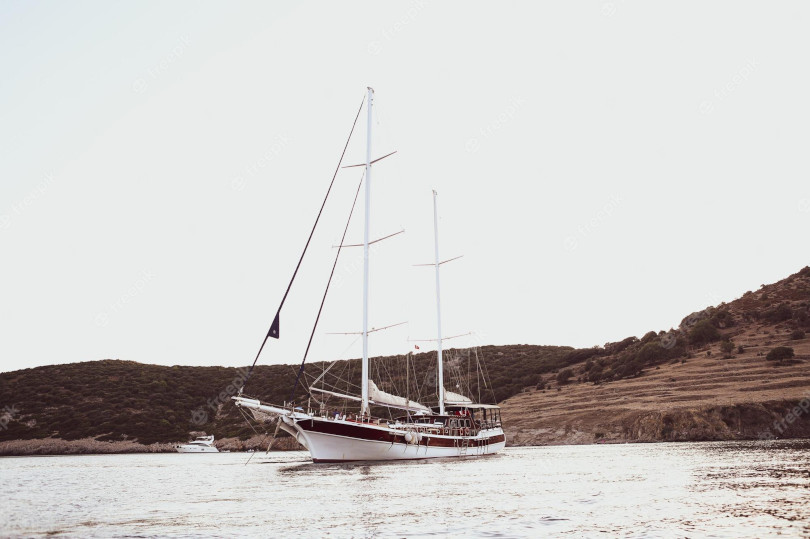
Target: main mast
(364, 408)
(440, 365)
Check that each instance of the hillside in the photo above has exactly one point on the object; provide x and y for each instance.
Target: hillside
(684, 384)
(115, 401)
(707, 379)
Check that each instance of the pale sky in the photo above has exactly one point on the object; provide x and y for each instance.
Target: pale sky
(605, 168)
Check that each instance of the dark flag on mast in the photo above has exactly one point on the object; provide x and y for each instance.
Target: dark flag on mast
(274, 327)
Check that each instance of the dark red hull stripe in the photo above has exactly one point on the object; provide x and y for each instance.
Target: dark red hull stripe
(380, 435)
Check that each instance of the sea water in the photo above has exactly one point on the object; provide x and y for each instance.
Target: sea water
(725, 489)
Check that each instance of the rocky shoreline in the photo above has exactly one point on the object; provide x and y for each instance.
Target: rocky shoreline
(91, 446)
(746, 421)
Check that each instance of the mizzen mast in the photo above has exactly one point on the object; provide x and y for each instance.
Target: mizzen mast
(364, 408)
(440, 365)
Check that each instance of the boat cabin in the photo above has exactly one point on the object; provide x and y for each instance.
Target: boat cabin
(468, 418)
(481, 416)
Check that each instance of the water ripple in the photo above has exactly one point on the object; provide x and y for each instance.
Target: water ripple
(748, 489)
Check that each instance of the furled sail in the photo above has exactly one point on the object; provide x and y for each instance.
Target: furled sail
(455, 398)
(381, 397)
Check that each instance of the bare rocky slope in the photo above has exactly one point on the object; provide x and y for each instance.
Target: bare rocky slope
(702, 393)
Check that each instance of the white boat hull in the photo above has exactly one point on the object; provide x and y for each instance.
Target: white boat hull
(196, 449)
(334, 448)
(332, 440)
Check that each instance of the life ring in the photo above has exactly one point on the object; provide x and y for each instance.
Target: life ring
(466, 431)
(446, 431)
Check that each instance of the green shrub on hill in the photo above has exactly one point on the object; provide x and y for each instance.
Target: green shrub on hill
(802, 317)
(564, 376)
(780, 353)
(650, 353)
(594, 371)
(722, 319)
(780, 313)
(625, 367)
(618, 347)
(691, 320)
(580, 355)
(703, 332)
(649, 337)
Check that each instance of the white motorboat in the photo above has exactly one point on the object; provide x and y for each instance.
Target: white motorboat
(200, 444)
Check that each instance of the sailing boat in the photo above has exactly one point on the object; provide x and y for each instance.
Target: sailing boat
(456, 427)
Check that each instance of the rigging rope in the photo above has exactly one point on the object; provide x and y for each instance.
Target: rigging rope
(328, 283)
(274, 327)
(261, 442)
(483, 361)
